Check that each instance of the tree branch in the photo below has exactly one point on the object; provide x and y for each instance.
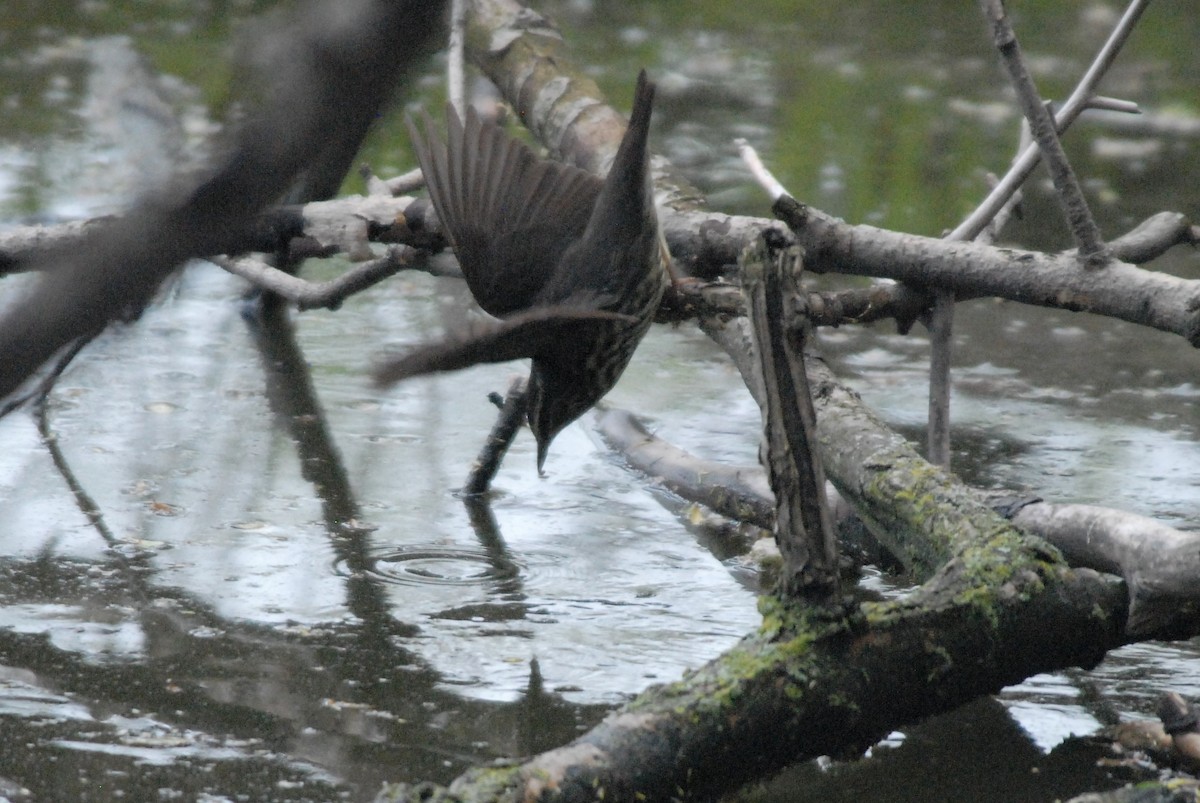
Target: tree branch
(311, 295)
(1045, 133)
(803, 528)
(1079, 100)
(971, 270)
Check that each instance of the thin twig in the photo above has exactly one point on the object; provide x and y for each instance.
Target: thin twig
(392, 187)
(1079, 100)
(991, 232)
(310, 295)
(1042, 126)
(405, 183)
(455, 70)
(1107, 104)
(761, 174)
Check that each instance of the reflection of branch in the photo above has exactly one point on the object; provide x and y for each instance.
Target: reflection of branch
(487, 530)
(294, 401)
(83, 499)
(136, 581)
(310, 295)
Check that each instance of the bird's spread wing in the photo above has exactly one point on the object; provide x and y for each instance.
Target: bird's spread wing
(509, 214)
(522, 335)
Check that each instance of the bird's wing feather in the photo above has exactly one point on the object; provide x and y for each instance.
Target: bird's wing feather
(521, 335)
(509, 214)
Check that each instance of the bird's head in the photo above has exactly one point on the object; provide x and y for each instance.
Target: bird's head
(550, 408)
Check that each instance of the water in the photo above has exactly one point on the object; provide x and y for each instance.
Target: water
(223, 634)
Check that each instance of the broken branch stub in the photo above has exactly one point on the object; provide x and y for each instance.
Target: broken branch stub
(803, 525)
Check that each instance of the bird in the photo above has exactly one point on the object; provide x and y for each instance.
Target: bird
(568, 264)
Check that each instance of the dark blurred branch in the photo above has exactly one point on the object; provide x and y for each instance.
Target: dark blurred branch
(337, 65)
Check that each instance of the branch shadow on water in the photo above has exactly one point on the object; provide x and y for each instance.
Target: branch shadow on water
(293, 400)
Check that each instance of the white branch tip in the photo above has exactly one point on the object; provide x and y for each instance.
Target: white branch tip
(757, 169)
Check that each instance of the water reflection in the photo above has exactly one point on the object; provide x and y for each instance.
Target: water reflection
(265, 610)
(291, 602)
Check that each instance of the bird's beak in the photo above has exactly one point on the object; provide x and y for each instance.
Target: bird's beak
(542, 450)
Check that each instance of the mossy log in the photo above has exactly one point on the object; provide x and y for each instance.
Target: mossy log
(997, 605)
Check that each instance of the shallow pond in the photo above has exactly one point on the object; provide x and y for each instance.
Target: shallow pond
(214, 631)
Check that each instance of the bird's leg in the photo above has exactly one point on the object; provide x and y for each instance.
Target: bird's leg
(673, 273)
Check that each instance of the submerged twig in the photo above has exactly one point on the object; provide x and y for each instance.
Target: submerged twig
(941, 348)
(512, 415)
(941, 337)
(736, 492)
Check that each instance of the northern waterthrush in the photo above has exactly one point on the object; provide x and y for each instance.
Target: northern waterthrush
(569, 263)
